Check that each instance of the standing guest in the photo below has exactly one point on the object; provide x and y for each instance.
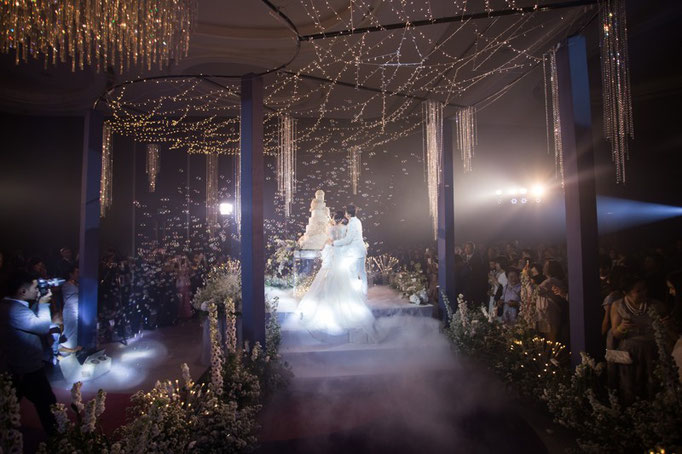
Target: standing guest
(21, 343)
(614, 282)
(535, 272)
(552, 308)
(184, 287)
(65, 262)
(70, 310)
(632, 328)
(478, 274)
(36, 265)
(462, 280)
(497, 281)
(511, 297)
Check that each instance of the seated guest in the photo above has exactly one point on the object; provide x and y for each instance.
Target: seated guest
(22, 331)
(632, 328)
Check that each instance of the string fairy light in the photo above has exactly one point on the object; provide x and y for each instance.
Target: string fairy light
(106, 179)
(616, 93)
(467, 138)
(153, 166)
(433, 140)
(286, 161)
(104, 33)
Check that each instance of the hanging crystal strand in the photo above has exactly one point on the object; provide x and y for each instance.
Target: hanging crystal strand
(238, 191)
(466, 135)
(556, 117)
(433, 133)
(105, 187)
(152, 165)
(83, 30)
(211, 190)
(354, 164)
(286, 161)
(616, 92)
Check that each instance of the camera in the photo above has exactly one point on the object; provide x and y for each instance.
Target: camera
(46, 284)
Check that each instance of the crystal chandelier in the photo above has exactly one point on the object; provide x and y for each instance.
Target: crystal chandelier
(433, 139)
(551, 80)
(100, 33)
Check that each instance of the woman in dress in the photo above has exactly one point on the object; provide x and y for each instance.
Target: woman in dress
(333, 304)
(633, 332)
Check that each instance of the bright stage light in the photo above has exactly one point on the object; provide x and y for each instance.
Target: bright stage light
(513, 191)
(524, 200)
(514, 201)
(498, 192)
(538, 191)
(226, 208)
(523, 191)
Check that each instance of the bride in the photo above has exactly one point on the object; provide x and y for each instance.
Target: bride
(334, 304)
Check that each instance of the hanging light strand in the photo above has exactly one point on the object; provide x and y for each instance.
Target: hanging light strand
(354, 165)
(558, 149)
(152, 165)
(286, 161)
(616, 93)
(467, 138)
(433, 138)
(211, 190)
(106, 179)
(104, 33)
(238, 191)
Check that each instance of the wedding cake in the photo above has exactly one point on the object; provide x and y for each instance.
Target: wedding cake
(316, 231)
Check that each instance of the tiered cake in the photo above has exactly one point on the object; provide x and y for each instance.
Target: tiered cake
(316, 231)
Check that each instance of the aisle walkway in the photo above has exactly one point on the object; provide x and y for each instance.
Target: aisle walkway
(408, 393)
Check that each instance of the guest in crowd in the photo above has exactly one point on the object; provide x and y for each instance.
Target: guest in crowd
(497, 279)
(632, 329)
(36, 265)
(614, 283)
(65, 263)
(184, 287)
(478, 277)
(70, 310)
(22, 332)
(511, 297)
(552, 309)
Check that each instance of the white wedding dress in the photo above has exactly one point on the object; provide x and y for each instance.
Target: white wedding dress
(335, 302)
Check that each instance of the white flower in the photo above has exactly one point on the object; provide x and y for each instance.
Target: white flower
(76, 397)
(414, 299)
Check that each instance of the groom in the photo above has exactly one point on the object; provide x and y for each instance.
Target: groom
(354, 247)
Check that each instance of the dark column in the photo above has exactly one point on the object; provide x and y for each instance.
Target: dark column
(582, 239)
(252, 181)
(88, 249)
(446, 223)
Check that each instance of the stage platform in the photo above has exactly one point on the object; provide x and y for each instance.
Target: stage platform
(408, 338)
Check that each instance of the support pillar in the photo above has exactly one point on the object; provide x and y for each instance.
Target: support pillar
(446, 223)
(88, 249)
(252, 181)
(582, 238)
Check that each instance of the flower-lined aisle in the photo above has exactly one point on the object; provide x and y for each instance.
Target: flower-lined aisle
(579, 400)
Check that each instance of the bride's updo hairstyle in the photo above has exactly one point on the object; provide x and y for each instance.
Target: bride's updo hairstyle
(339, 216)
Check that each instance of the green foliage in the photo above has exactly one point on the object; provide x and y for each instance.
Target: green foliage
(579, 400)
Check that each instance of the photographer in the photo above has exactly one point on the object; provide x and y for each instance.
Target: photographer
(22, 331)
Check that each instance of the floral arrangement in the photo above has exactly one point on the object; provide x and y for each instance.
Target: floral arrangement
(382, 266)
(84, 434)
(222, 284)
(11, 440)
(411, 284)
(279, 268)
(579, 400)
